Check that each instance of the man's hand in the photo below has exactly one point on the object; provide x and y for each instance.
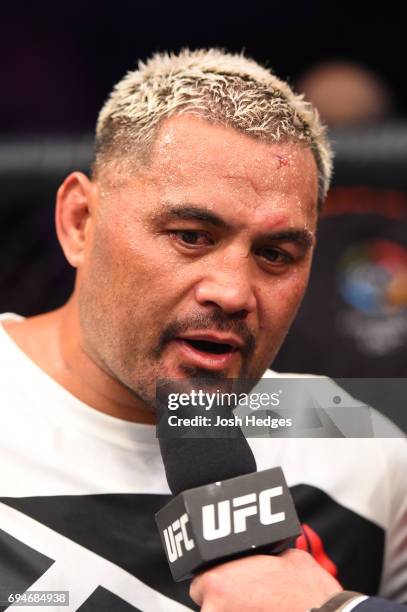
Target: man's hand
(290, 582)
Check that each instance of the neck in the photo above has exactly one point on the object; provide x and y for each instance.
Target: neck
(54, 342)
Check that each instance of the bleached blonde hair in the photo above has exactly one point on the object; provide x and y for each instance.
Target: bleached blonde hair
(223, 88)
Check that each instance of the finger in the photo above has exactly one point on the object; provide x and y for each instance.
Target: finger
(196, 591)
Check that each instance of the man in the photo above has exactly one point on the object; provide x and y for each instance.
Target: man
(193, 244)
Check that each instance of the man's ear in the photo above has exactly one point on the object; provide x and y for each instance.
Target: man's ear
(76, 199)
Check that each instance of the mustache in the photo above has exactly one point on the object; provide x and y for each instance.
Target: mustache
(218, 321)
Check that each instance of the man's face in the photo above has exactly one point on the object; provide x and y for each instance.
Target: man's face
(196, 263)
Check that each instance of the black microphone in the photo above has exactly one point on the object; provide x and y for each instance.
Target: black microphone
(223, 509)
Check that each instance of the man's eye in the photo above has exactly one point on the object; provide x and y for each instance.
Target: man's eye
(275, 256)
(193, 238)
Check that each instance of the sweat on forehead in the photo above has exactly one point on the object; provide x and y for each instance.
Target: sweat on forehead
(223, 88)
(189, 150)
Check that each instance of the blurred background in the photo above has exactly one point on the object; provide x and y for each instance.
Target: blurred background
(58, 64)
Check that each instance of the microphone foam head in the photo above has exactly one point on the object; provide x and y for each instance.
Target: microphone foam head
(194, 462)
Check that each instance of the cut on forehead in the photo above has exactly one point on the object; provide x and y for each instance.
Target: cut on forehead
(185, 141)
(188, 148)
(188, 143)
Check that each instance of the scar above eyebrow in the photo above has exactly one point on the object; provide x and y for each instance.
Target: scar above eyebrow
(283, 160)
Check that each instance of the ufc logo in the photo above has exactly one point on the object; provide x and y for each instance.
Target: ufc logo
(217, 521)
(174, 536)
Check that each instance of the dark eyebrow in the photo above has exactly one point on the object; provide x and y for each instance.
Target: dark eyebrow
(303, 237)
(191, 213)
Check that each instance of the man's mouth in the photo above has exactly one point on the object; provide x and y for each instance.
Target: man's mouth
(206, 346)
(209, 351)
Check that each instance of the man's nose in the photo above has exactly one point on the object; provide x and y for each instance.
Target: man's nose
(229, 286)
